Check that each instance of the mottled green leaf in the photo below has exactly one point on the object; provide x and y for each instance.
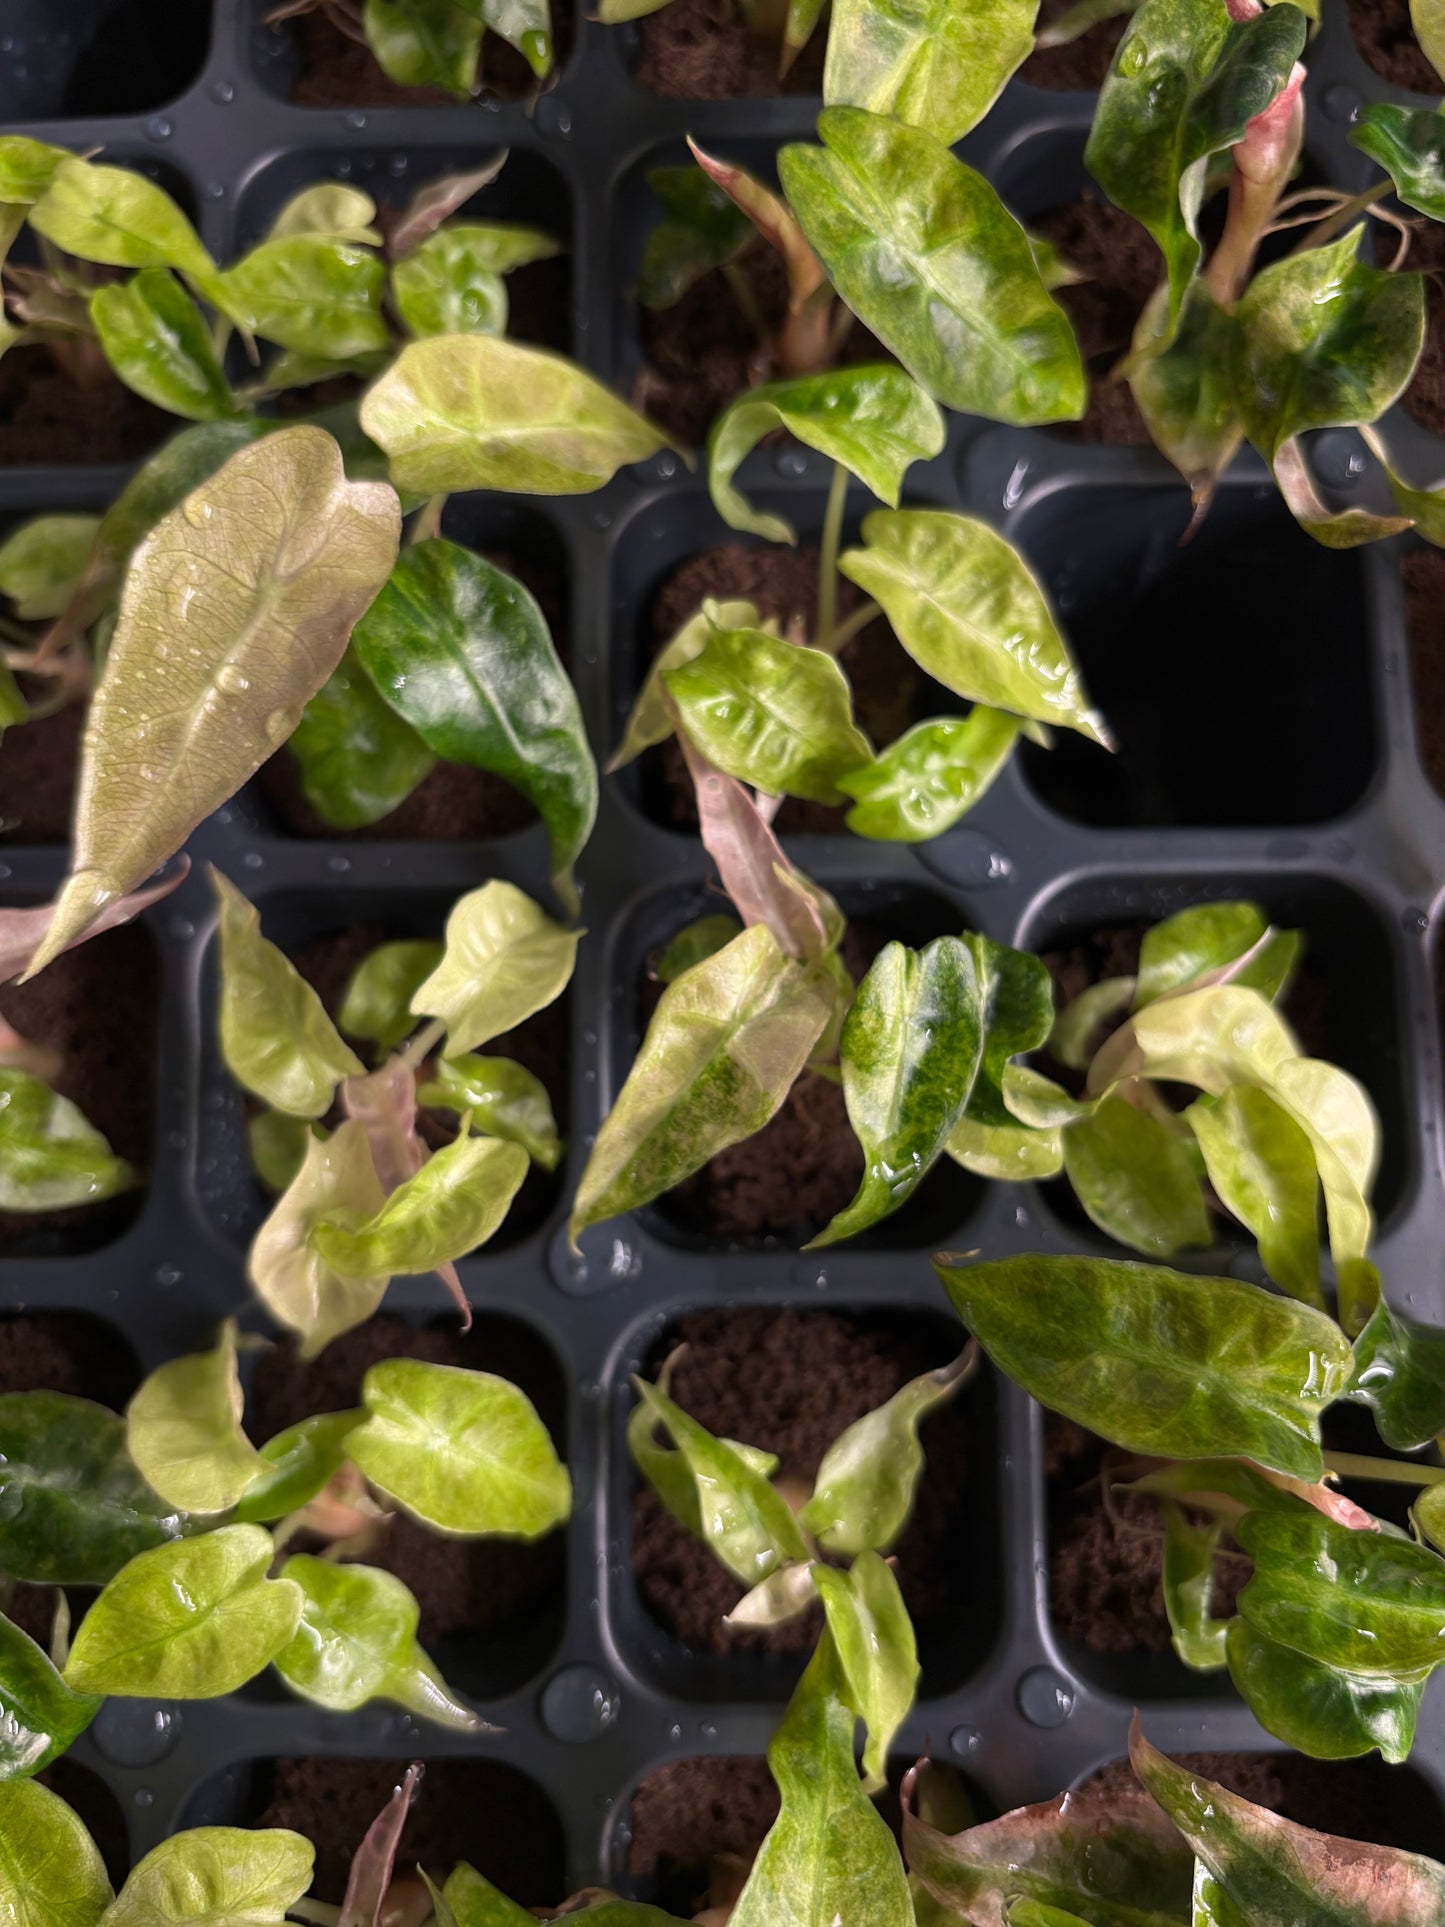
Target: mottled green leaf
(876, 1651)
(1317, 1709)
(51, 1156)
(871, 418)
(27, 167)
(291, 1279)
(701, 228)
(424, 43)
(51, 1872)
(42, 561)
(359, 760)
(1400, 1375)
(927, 256)
(1137, 1178)
(295, 1465)
(651, 720)
(1188, 1587)
(463, 1451)
(39, 1715)
(157, 341)
(1159, 1361)
(1409, 143)
(120, 219)
(191, 1620)
(1262, 1166)
(217, 1877)
(923, 783)
(965, 607)
(504, 961)
(476, 411)
(311, 293)
(725, 1044)
(451, 284)
(1204, 937)
(935, 64)
(183, 1429)
(505, 1101)
(1185, 387)
(523, 24)
(454, 1203)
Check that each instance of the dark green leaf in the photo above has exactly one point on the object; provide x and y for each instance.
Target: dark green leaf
(701, 228)
(377, 1003)
(1409, 143)
(155, 339)
(1137, 1177)
(504, 1098)
(359, 760)
(51, 1156)
(425, 43)
(297, 1464)
(39, 1714)
(310, 293)
(1317, 1709)
(930, 63)
(1262, 1166)
(1188, 1586)
(923, 783)
(1400, 1375)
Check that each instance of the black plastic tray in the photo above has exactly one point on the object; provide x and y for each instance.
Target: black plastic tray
(1332, 824)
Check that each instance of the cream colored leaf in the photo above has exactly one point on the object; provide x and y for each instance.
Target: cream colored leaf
(296, 1286)
(183, 1428)
(505, 959)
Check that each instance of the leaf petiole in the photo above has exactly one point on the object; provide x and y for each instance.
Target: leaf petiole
(842, 633)
(1359, 1465)
(828, 551)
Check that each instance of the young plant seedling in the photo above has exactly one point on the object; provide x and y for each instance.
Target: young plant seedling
(365, 1201)
(436, 43)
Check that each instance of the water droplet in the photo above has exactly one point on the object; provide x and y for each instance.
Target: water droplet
(168, 1275)
(965, 1739)
(233, 680)
(253, 860)
(1132, 55)
(223, 91)
(159, 128)
(355, 119)
(278, 726)
(339, 864)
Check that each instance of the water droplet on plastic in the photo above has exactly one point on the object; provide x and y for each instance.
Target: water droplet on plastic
(223, 91)
(159, 128)
(253, 860)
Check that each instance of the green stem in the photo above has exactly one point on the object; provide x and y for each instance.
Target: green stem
(828, 551)
(834, 639)
(428, 523)
(1356, 1465)
(424, 1043)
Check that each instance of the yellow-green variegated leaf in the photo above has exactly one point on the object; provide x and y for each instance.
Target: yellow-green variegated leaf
(454, 1203)
(183, 1429)
(292, 1280)
(936, 64)
(505, 959)
(217, 1877)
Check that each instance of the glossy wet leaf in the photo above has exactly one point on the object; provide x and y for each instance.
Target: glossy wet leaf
(1317, 1709)
(463, 1451)
(451, 284)
(51, 1155)
(358, 759)
(1187, 1583)
(41, 562)
(277, 1145)
(1365, 1602)
(694, 944)
(1276, 1873)
(1427, 1516)
(1184, 385)
(505, 1101)
(966, 608)
(722, 1051)
(183, 1429)
(455, 1202)
(311, 293)
(1007, 1153)
(876, 1651)
(504, 961)
(930, 777)
(1137, 1179)
(1409, 143)
(652, 719)
(871, 418)
(357, 1642)
(120, 219)
(1204, 937)
(246, 593)
(157, 341)
(51, 1872)
(771, 713)
(292, 1280)
(27, 167)
(217, 1877)
(1262, 1167)
(933, 64)
(714, 1488)
(1185, 83)
(39, 1714)
(829, 1855)
(474, 411)
(523, 24)
(296, 1465)
(1400, 1375)
(1159, 1361)
(701, 228)
(424, 43)
(462, 653)
(275, 1035)
(191, 1620)
(927, 256)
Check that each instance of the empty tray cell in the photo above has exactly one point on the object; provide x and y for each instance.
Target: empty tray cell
(1234, 671)
(327, 948)
(93, 57)
(790, 1381)
(1423, 572)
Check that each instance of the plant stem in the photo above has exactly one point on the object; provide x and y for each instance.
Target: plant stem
(1356, 1465)
(424, 1043)
(1336, 222)
(833, 640)
(428, 523)
(828, 552)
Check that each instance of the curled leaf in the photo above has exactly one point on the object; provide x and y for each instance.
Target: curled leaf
(923, 783)
(374, 1859)
(452, 1204)
(183, 1429)
(876, 1650)
(296, 1465)
(653, 719)
(157, 341)
(504, 1098)
(1262, 1166)
(504, 960)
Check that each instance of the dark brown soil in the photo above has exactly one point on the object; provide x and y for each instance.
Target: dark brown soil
(1122, 267)
(337, 71)
(791, 1381)
(1083, 62)
(702, 50)
(890, 691)
(1424, 573)
(98, 1808)
(1425, 396)
(689, 1814)
(46, 416)
(1386, 39)
(474, 1810)
(475, 1586)
(38, 765)
(98, 1007)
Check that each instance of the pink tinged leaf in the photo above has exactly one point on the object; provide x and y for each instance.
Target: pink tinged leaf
(17, 1053)
(437, 202)
(803, 344)
(1271, 139)
(1324, 1498)
(371, 1869)
(21, 931)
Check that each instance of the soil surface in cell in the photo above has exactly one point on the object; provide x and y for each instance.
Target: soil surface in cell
(450, 803)
(38, 763)
(46, 416)
(696, 1826)
(88, 1796)
(1424, 399)
(473, 1586)
(1079, 63)
(337, 71)
(790, 1382)
(1121, 267)
(1384, 34)
(1424, 574)
(480, 1811)
(96, 1007)
(704, 50)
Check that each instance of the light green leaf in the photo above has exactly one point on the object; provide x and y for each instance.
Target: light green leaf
(523, 24)
(651, 720)
(1137, 1178)
(245, 593)
(1188, 1587)
(424, 43)
(191, 1620)
(770, 713)
(923, 783)
(277, 1144)
(296, 1465)
(470, 1900)
(475, 411)
(876, 1651)
(1158, 1361)
(51, 1156)
(1078, 1026)
(694, 944)
(701, 228)
(454, 1203)
(217, 1877)
(377, 1003)
(1425, 18)
(1400, 1375)
(871, 418)
(725, 1044)
(156, 340)
(1204, 937)
(41, 562)
(1184, 384)
(1317, 1709)
(504, 961)
(294, 1283)
(276, 1037)
(359, 761)
(927, 256)
(1262, 1166)
(120, 219)
(462, 653)
(965, 607)
(357, 1642)
(39, 1715)
(1427, 1516)
(935, 64)
(671, 1472)
(463, 1451)
(1007, 1153)
(27, 167)
(452, 284)
(505, 1101)
(183, 1428)
(336, 208)
(311, 293)
(51, 1872)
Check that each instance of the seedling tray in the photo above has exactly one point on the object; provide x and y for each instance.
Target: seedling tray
(1271, 753)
